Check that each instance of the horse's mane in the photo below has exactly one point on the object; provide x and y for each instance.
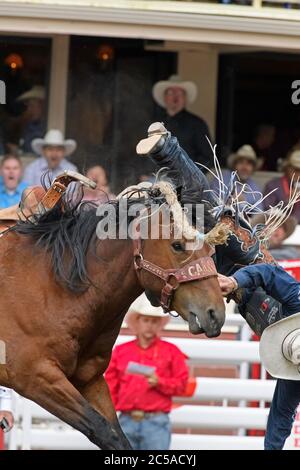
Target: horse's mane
(69, 233)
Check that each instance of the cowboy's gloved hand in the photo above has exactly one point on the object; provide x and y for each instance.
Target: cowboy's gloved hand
(9, 418)
(227, 284)
(153, 380)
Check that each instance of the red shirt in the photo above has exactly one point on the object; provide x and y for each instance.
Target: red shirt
(132, 392)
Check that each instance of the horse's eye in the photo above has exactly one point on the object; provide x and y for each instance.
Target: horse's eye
(178, 246)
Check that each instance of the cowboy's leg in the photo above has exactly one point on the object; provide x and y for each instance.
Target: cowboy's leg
(168, 153)
(282, 413)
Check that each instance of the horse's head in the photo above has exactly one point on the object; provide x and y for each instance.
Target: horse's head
(178, 272)
(190, 278)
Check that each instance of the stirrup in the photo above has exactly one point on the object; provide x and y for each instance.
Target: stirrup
(156, 135)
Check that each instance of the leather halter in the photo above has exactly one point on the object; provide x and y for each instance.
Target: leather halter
(199, 269)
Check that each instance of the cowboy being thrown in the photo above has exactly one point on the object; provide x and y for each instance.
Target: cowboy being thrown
(280, 343)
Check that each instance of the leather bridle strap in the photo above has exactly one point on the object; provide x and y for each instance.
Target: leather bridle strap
(199, 269)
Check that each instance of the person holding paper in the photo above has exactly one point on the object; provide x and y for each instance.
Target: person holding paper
(144, 375)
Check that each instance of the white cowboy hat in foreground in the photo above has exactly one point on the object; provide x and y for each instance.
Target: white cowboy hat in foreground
(54, 138)
(159, 89)
(279, 348)
(142, 306)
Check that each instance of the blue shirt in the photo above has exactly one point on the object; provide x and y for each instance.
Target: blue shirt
(34, 171)
(275, 281)
(7, 199)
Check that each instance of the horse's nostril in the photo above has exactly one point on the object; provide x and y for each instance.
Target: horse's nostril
(211, 314)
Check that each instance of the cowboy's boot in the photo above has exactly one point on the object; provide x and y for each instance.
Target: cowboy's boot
(157, 134)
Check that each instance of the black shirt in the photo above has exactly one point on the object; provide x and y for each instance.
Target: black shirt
(191, 132)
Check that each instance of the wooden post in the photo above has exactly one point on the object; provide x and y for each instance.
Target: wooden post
(57, 103)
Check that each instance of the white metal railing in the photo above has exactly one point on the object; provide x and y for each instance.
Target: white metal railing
(206, 351)
(37, 429)
(219, 389)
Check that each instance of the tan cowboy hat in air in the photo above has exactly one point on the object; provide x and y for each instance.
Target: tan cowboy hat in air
(279, 348)
(37, 92)
(142, 306)
(293, 160)
(289, 224)
(246, 151)
(54, 137)
(159, 89)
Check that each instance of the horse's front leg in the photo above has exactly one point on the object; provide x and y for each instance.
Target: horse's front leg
(97, 393)
(50, 389)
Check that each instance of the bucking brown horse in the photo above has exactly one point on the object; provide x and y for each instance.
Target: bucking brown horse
(64, 294)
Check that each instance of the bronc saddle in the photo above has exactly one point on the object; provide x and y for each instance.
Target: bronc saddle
(37, 201)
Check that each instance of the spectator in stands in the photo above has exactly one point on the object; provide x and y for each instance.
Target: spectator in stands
(244, 162)
(263, 145)
(102, 192)
(173, 95)
(5, 406)
(11, 187)
(53, 149)
(33, 120)
(144, 394)
(282, 185)
(280, 343)
(276, 247)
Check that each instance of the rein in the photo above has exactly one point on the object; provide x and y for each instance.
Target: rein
(199, 269)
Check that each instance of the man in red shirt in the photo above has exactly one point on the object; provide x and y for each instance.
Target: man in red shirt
(142, 394)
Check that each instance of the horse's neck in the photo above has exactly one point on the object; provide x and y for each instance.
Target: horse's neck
(114, 275)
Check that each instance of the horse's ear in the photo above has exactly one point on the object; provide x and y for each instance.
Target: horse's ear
(152, 298)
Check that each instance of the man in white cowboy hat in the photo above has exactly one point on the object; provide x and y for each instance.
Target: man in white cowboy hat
(244, 162)
(291, 167)
(143, 375)
(34, 122)
(279, 344)
(173, 95)
(53, 149)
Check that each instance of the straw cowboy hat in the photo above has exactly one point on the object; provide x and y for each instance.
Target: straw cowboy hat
(246, 151)
(279, 348)
(289, 224)
(54, 138)
(159, 89)
(142, 306)
(37, 92)
(293, 160)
